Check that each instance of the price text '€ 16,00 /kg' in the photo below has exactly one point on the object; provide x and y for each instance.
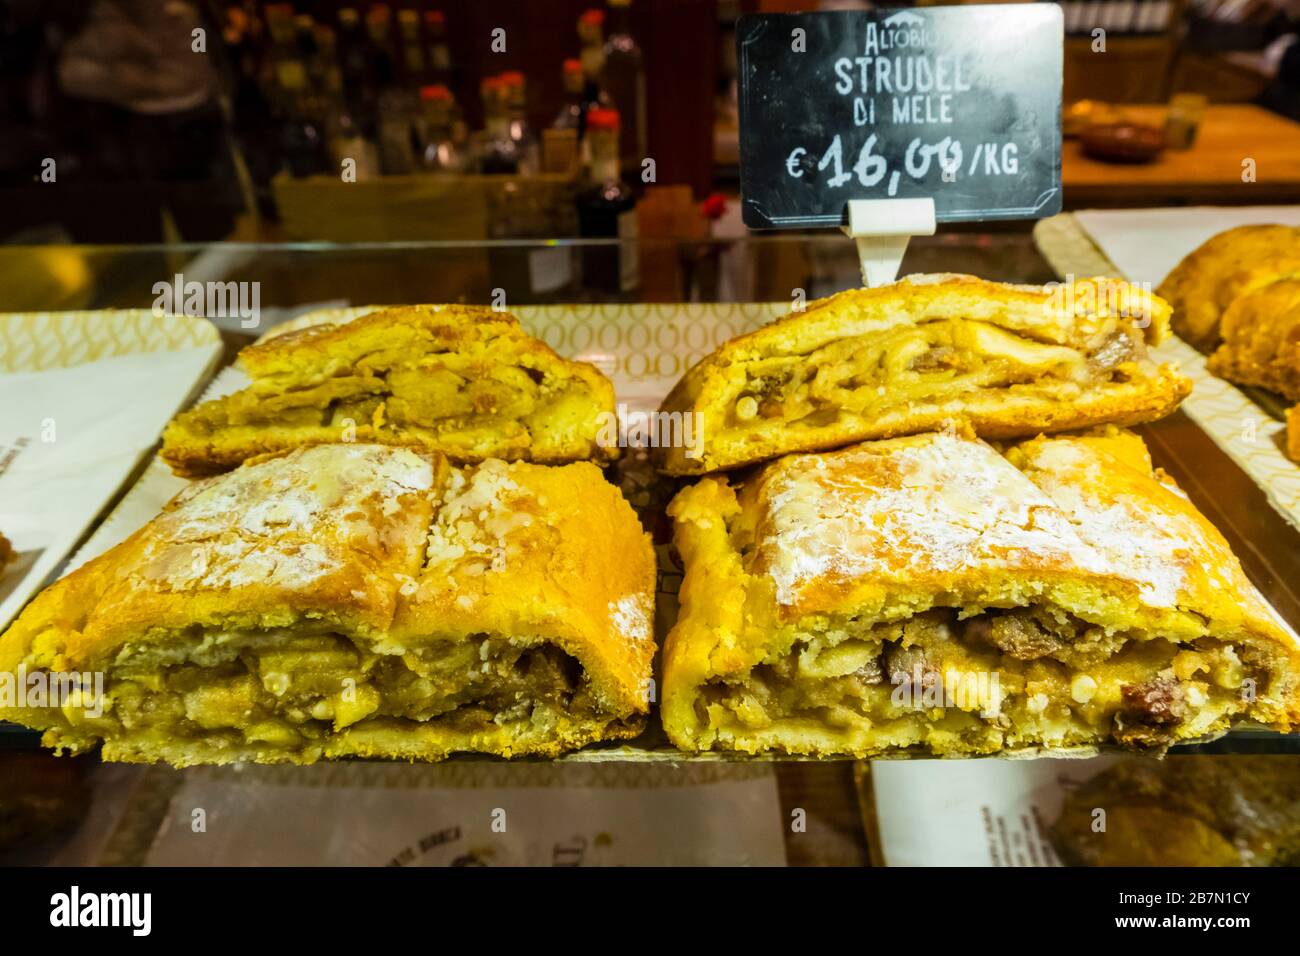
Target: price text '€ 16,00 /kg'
(916, 89)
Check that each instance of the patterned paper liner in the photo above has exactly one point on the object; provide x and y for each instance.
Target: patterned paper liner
(1241, 427)
(37, 341)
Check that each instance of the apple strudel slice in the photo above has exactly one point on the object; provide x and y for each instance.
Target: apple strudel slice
(931, 594)
(914, 356)
(353, 601)
(465, 381)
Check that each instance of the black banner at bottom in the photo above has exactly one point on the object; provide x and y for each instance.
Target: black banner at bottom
(217, 907)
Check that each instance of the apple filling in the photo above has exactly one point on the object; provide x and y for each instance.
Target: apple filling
(998, 679)
(447, 402)
(294, 691)
(931, 363)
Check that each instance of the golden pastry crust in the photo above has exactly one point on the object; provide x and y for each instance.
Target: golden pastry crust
(1108, 608)
(464, 381)
(357, 600)
(1293, 433)
(1011, 361)
(1261, 339)
(1222, 268)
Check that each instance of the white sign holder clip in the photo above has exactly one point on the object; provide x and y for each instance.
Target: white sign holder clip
(881, 229)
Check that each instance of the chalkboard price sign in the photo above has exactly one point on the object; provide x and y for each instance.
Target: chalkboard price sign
(962, 104)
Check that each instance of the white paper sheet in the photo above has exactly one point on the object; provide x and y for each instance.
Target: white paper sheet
(1147, 243)
(155, 487)
(69, 437)
(973, 812)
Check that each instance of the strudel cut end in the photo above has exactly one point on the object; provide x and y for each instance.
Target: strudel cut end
(931, 594)
(925, 353)
(355, 601)
(467, 382)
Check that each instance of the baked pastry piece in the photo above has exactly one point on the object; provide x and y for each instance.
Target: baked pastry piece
(1198, 810)
(1261, 339)
(356, 600)
(929, 593)
(1013, 361)
(464, 381)
(1222, 268)
(1293, 433)
(6, 552)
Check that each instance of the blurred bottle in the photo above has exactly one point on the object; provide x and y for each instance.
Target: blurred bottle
(607, 210)
(440, 152)
(349, 44)
(591, 27)
(395, 106)
(591, 35)
(625, 81)
(441, 67)
(571, 113)
(308, 49)
(515, 93)
(396, 133)
(301, 137)
(352, 131)
(316, 46)
(379, 29)
(328, 53)
(499, 153)
(353, 63)
(287, 71)
(560, 141)
(415, 65)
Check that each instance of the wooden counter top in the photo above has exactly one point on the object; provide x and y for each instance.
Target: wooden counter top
(1209, 172)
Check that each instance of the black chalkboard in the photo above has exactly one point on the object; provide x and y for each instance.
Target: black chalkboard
(959, 103)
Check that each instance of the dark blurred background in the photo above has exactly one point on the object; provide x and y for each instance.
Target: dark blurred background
(200, 109)
(174, 119)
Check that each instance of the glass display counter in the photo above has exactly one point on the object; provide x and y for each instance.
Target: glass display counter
(685, 298)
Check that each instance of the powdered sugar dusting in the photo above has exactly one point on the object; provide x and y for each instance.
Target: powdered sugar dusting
(935, 505)
(943, 504)
(266, 523)
(479, 512)
(630, 615)
(1135, 539)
